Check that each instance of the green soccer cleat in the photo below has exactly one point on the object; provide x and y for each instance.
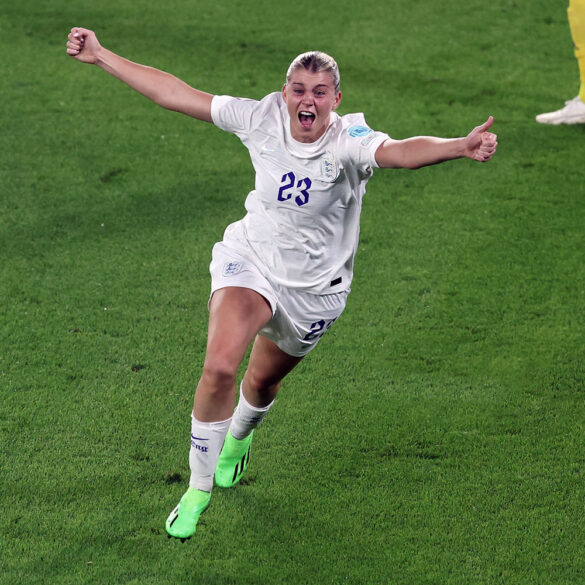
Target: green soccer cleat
(182, 521)
(233, 460)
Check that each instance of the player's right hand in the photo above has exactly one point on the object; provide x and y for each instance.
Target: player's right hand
(82, 44)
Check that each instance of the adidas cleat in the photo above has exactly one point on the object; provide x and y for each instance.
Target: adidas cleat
(233, 460)
(182, 521)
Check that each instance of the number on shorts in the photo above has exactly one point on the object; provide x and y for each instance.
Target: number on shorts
(318, 329)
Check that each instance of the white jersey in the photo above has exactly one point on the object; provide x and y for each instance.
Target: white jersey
(302, 221)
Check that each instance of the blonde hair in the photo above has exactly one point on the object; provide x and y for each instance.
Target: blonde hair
(315, 62)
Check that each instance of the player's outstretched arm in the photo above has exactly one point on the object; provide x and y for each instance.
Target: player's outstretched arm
(421, 151)
(164, 89)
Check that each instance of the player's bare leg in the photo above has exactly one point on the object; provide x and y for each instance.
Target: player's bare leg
(573, 111)
(267, 367)
(235, 316)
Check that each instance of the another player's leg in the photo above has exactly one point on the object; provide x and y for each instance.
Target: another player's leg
(573, 111)
(267, 367)
(235, 316)
(576, 13)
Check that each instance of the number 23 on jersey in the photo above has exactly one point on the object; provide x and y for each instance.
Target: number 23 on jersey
(289, 186)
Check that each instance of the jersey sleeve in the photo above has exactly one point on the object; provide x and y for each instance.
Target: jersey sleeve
(233, 114)
(361, 143)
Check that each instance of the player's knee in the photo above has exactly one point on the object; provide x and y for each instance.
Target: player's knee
(219, 374)
(261, 383)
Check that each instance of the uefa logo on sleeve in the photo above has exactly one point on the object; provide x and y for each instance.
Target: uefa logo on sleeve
(359, 131)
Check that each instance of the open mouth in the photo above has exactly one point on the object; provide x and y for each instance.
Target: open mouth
(306, 119)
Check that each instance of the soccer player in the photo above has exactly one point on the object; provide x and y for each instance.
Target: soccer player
(281, 276)
(574, 110)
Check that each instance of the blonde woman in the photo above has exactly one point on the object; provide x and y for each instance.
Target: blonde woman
(281, 275)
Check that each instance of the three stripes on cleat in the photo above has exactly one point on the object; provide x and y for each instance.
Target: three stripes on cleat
(242, 464)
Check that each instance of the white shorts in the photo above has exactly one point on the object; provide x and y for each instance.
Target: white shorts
(299, 319)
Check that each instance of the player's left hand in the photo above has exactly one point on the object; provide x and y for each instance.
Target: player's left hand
(480, 144)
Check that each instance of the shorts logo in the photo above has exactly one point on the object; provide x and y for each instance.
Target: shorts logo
(359, 131)
(232, 268)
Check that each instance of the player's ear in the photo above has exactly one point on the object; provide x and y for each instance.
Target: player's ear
(284, 93)
(337, 100)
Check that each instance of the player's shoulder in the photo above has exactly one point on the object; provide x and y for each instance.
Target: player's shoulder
(357, 142)
(240, 113)
(237, 103)
(271, 101)
(353, 127)
(353, 132)
(270, 105)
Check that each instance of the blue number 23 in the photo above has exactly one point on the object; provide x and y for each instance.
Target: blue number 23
(287, 189)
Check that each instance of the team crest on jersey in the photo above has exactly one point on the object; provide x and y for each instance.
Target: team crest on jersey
(232, 268)
(359, 131)
(329, 168)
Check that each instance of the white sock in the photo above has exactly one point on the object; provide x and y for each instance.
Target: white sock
(246, 417)
(206, 443)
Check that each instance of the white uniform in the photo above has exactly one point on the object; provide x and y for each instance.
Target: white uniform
(303, 215)
(301, 229)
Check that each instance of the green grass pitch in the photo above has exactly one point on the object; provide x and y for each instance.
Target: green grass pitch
(435, 437)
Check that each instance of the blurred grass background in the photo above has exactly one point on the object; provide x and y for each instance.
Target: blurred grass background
(435, 436)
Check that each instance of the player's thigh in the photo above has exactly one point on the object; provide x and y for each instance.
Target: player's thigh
(235, 316)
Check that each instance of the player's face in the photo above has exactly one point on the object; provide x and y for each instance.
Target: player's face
(310, 99)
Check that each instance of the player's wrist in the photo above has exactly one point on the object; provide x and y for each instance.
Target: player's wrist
(460, 148)
(104, 58)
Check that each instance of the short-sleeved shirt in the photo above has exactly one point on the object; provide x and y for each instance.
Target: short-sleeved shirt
(302, 222)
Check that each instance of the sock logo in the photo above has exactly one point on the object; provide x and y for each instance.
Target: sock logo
(195, 445)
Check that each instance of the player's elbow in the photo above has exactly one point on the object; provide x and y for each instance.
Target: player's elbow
(413, 166)
(168, 92)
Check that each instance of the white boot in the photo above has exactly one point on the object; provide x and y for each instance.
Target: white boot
(572, 113)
